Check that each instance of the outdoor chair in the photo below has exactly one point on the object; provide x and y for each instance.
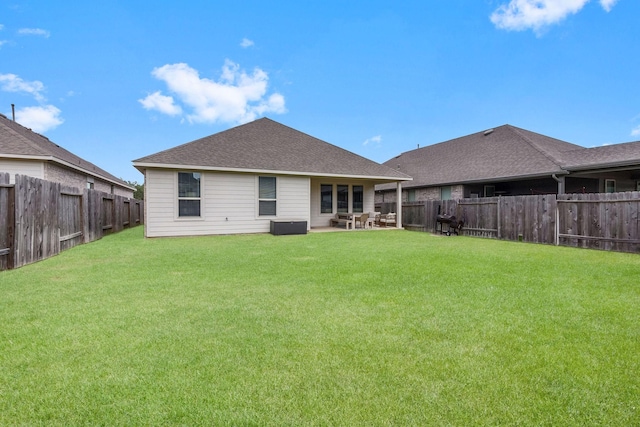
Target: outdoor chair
(375, 218)
(388, 219)
(364, 219)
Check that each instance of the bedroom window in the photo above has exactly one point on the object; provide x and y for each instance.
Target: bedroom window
(267, 196)
(358, 198)
(326, 198)
(188, 194)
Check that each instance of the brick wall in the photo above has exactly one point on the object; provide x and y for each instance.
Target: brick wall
(72, 178)
(421, 194)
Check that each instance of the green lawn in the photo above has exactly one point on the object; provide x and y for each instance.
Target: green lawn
(358, 328)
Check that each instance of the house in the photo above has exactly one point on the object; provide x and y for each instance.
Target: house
(241, 179)
(507, 160)
(25, 152)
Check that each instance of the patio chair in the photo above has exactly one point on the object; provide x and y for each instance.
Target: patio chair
(364, 220)
(375, 218)
(388, 219)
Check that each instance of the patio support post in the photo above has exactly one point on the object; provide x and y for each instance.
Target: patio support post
(399, 205)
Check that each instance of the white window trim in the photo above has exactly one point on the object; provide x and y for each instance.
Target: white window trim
(606, 182)
(352, 197)
(258, 199)
(177, 199)
(333, 199)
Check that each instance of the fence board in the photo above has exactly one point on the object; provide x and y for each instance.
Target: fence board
(7, 212)
(596, 221)
(70, 218)
(40, 218)
(600, 221)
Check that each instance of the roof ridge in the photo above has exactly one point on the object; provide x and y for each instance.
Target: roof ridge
(557, 161)
(40, 145)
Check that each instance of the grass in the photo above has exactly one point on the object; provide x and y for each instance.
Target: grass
(366, 328)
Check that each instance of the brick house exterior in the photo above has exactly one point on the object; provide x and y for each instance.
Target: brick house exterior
(511, 161)
(25, 152)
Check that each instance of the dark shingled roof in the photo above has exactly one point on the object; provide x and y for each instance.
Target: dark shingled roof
(266, 145)
(19, 141)
(616, 155)
(502, 153)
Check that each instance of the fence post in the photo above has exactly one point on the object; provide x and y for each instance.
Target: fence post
(499, 234)
(557, 227)
(9, 220)
(11, 232)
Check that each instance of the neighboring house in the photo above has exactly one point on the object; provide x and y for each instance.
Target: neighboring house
(511, 161)
(25, 152)
(239, 180)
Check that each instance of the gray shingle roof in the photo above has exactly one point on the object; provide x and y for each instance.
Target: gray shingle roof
(19, 141)
(617, 155)
(266, 145)
(501, 153)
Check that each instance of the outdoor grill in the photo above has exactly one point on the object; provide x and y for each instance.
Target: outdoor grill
(451, 222)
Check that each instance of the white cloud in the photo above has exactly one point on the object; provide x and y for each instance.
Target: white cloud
(536, 14)
(3, 42)
(246, 43)
(159, 102)
(13, 83)
(237, 97)
(34, 32)
(636, 131)
(39, 119)
(373, 140)
(608, 4)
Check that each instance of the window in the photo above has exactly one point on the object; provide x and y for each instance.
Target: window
(267, 196)
(411, 195)
(489, 190)
(90, 184)
(343, 198)
(326, 198)
(609, 185)
(445, 193)
(188, 194)
(358, 198)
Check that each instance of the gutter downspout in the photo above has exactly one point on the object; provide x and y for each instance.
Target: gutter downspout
(560, 182)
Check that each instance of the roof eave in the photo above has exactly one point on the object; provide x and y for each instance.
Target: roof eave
(492, 180)
(66, 164)
(142, 166)
(602, 166)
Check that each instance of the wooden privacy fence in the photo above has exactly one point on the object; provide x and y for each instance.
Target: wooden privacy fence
(39, 218)
(599, 221)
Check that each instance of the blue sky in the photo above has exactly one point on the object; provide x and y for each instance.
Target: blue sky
(114, 81)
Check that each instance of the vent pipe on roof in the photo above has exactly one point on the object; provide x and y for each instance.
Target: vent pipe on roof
(13, 111)
(488, 132)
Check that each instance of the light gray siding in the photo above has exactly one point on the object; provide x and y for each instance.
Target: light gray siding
(229, 204)
(322, 219)
(22, 167)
